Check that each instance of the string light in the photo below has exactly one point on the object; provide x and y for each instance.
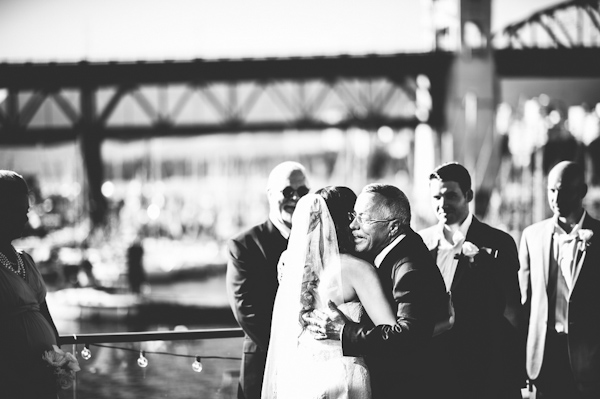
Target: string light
(197, 366)
(86, 353)
(142, 361)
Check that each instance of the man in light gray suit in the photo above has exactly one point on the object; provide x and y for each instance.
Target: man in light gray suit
(560, 280)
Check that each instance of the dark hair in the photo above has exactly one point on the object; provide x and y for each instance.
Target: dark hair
(395, 204)
(340, 201)
(11, 184)
(453, 171)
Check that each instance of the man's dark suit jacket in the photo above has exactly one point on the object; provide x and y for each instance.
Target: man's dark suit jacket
(251, 288)
(484, 349)
(583, 310)
(398, 355)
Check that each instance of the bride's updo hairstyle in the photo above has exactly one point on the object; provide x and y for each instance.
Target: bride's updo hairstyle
(340, 203)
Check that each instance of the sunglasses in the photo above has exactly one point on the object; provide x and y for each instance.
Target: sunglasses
(289, 192)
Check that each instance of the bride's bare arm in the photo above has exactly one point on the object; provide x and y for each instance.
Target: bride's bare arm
(363, 278)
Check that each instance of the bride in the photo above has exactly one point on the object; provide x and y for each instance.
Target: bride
(317, 267)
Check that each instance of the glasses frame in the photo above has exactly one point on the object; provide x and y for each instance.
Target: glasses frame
(358, 217)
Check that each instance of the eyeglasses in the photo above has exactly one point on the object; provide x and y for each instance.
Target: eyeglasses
(289, 192)
(361, 219)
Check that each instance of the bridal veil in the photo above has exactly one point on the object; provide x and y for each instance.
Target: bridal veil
(310, 276)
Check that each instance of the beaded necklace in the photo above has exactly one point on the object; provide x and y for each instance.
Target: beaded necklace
(20, 268)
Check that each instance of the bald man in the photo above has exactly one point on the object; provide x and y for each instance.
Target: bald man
(560, 280)
(252, 271)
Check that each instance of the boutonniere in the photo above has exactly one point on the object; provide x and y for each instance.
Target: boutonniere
(63, 364)
(585, 236)
(469, 250)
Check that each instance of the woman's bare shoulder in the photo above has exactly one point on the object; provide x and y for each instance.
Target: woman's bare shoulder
(353, 264)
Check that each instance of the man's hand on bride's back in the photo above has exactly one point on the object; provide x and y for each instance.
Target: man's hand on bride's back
(325, 326)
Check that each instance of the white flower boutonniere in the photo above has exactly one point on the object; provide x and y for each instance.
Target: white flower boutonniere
(468, 250)
(585, 235)
(64, 366)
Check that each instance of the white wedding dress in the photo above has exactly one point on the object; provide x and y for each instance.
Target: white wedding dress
(298, 365)
(324, 369)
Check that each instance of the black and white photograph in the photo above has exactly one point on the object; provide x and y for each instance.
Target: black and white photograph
(276, 199)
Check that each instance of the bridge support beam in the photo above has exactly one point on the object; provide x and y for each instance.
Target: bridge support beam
(471, 101)
(90, 141)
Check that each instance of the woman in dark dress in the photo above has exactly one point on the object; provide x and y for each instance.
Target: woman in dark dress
(26, 327)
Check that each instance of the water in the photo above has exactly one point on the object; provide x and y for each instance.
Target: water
(114, 372)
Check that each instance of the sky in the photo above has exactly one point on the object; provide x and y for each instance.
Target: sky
(128, 30)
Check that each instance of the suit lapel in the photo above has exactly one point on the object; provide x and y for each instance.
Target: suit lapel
(461, 268)
(462, 265)
(547, 248)
(580, 258)
(433, 252)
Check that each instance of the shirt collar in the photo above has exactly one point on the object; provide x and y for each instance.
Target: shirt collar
(282, 228)
(381, 256)
(576, 228)
(459, 235)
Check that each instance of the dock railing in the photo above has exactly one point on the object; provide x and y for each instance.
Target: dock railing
(176, 364)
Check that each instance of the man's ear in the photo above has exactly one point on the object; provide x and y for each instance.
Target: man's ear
(469, 195)
(584, 190)
(394, 228)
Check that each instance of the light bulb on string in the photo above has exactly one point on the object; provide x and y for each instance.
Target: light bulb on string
(142, 361)
(86, 354)
(197, 366)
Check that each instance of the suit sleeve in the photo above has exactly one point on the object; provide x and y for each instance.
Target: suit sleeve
(414, 318)
(245, 294)
(505, 273)
(524, 280)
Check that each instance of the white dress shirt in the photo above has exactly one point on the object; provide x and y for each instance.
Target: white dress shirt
(283, 229)
(564, 247)
(446, 254)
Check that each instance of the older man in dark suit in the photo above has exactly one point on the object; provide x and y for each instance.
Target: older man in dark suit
(479, 357)
(560, 280)
(398, 355)
(252, 272)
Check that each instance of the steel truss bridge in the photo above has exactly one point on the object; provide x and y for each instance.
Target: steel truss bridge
(201, 97)
(90, 102)
(559, 41)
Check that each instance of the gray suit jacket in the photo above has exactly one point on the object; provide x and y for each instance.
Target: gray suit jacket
(583, 303)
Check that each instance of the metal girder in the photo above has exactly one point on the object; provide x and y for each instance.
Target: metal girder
(30, 76)
(61, 134)
(132, 111)
(558, 28)
(66, 107)
(118, 101)
(550, 63)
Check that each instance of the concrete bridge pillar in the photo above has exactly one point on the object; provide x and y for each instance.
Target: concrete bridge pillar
(468, 134)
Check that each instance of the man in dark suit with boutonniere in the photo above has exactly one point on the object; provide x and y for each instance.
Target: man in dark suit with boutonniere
(479, 357)
(252, 272)
(560, 280)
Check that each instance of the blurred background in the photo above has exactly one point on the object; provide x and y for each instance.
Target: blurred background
(146, 129)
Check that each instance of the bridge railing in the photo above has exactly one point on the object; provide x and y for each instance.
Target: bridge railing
(155, 364)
